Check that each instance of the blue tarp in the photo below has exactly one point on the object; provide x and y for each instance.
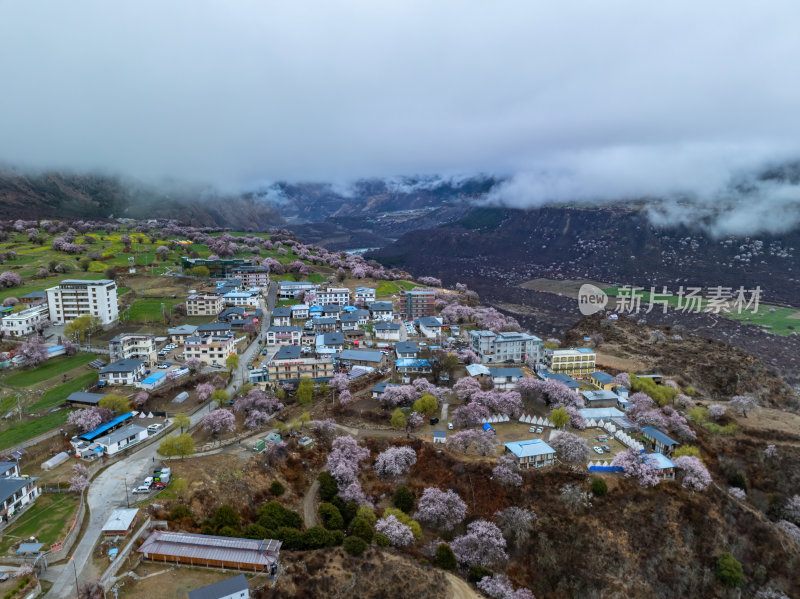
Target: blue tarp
(606, 469)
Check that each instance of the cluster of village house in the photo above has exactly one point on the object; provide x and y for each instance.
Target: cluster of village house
(335, 329)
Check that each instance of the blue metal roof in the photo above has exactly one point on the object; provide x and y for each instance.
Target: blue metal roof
(153, 378)
(504, 372)
(659, 461)
(91, 435)
(406, 347)
(362, 354)
(603, 377)
(530, 447)
(656, 434)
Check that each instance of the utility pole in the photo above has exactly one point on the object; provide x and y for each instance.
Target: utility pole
(75, 569)
(127, 501)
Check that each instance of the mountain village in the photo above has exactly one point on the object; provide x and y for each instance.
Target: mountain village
(198, 399)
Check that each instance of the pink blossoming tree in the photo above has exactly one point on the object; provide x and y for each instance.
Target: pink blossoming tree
(439, 509)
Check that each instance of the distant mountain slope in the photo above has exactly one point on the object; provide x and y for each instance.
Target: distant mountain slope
(495, 247)
(56, 195)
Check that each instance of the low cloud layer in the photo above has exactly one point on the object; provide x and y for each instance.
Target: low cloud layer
(590, 101)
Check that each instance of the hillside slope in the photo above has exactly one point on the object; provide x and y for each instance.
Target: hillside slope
(56, 195)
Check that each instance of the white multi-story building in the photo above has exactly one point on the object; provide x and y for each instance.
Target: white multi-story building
(365, 294)
(74, 297)
(25, 322)
(210, 350)
(15, 490)
(251, 276)
(133, 345)
(511, 347)
(122, 372)
(332, 295)
(241, 298)
(284, 335)
(292, 289)
(203, 305)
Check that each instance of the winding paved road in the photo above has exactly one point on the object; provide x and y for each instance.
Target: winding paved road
(107, 491)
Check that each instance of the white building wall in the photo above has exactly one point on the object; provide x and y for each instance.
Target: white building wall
(74, 298)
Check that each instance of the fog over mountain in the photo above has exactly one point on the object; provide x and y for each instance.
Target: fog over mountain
(679, 101)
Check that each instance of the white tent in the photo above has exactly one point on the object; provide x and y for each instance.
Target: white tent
(150, 415)
(522, 417)
(506, 418)
(591, 423)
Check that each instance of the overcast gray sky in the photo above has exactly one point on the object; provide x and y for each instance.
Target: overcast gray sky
(571, 100)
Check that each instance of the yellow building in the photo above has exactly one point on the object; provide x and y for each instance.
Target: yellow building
(577, 362)
(602, 380)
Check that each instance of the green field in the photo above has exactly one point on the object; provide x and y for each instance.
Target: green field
(776, 319)
(55, 367)
(56, 396)
(49, 520)
(394, 287)
(149, 310)
(19, 432)
(780, 321)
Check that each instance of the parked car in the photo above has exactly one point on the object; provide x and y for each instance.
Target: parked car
(606, 448)
(602, 438)
(539, 429)
(434, 420)
(449, 426)
(148, 482)
(142, 489)
(597, 449)
(532, 429)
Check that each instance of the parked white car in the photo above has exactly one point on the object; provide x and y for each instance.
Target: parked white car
(597, 449)
(449, 426)
(142, 489)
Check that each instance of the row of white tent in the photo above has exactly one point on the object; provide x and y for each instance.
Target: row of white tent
(495, 418)
(535, 420)
(601, 424)
(143, 415)
(629, 441)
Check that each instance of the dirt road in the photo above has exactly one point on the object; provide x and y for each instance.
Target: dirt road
(459, 589)
(309, 513)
